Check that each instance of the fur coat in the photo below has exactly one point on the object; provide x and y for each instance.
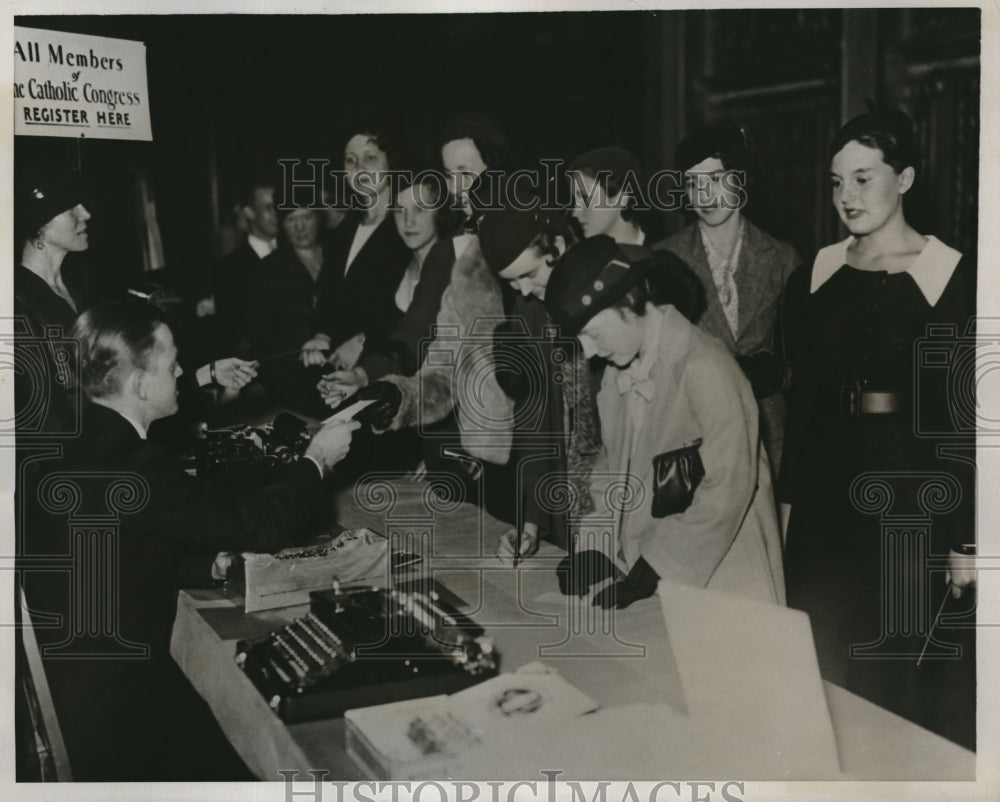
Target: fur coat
(456, 367)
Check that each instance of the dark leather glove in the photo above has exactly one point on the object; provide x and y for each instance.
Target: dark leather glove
(640, 583)
(580, 571)
(514, 363)
(765, 372)
(379, 415)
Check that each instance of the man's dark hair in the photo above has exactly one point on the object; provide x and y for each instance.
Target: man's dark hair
(250, 185)
(115, 337)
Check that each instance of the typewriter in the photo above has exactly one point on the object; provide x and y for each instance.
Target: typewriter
(254, 449)
(362, 646)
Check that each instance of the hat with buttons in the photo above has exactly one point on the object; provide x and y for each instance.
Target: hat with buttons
(590, 277)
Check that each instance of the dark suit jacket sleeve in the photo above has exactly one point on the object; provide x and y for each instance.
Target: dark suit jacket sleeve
(191, 511)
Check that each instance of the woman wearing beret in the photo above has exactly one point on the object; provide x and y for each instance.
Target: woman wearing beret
(50, 222)
(556, 435)
(743, 268)
(857, 456)
(679, 425)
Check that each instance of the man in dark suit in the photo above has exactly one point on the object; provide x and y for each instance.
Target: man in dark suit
(120, 512)
(235, 272)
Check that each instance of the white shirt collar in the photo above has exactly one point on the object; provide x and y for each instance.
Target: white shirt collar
(931, 270)
(261, 247)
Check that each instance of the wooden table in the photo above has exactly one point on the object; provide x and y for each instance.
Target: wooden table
(514, 607)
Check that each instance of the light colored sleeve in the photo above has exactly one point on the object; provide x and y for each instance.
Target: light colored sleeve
(689, 546)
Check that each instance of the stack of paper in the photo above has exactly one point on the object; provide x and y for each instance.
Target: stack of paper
(426, 738)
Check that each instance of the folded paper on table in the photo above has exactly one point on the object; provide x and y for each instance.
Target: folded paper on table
(425, 738)
(749, 672)
(287, 578)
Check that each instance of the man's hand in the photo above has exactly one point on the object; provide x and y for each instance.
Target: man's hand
(331, 443)
(337, 387)
(961, 572)
(234, 374)
(205, 307)
(223, 562)
(314, 351)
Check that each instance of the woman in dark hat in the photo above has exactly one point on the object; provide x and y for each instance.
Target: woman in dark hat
(861, 447)
(556, 436)
(743, 268)
(679, 425)
(50, 222)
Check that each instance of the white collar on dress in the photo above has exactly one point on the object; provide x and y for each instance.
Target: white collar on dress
(931, 270)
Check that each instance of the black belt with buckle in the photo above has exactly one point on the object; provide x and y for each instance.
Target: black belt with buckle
(856, 401)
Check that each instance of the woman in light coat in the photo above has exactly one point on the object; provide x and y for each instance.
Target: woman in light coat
(682, 487)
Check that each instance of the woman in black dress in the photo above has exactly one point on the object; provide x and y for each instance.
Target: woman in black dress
(366, 260)
(878, 523)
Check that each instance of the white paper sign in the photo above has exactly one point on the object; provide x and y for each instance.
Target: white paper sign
(71, 85)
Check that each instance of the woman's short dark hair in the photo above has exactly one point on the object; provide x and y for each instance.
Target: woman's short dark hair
(669, 281)
(888, 130)
(114, 338)
(614, 169)
(726, 142)
(485, 133)
(384, 140)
